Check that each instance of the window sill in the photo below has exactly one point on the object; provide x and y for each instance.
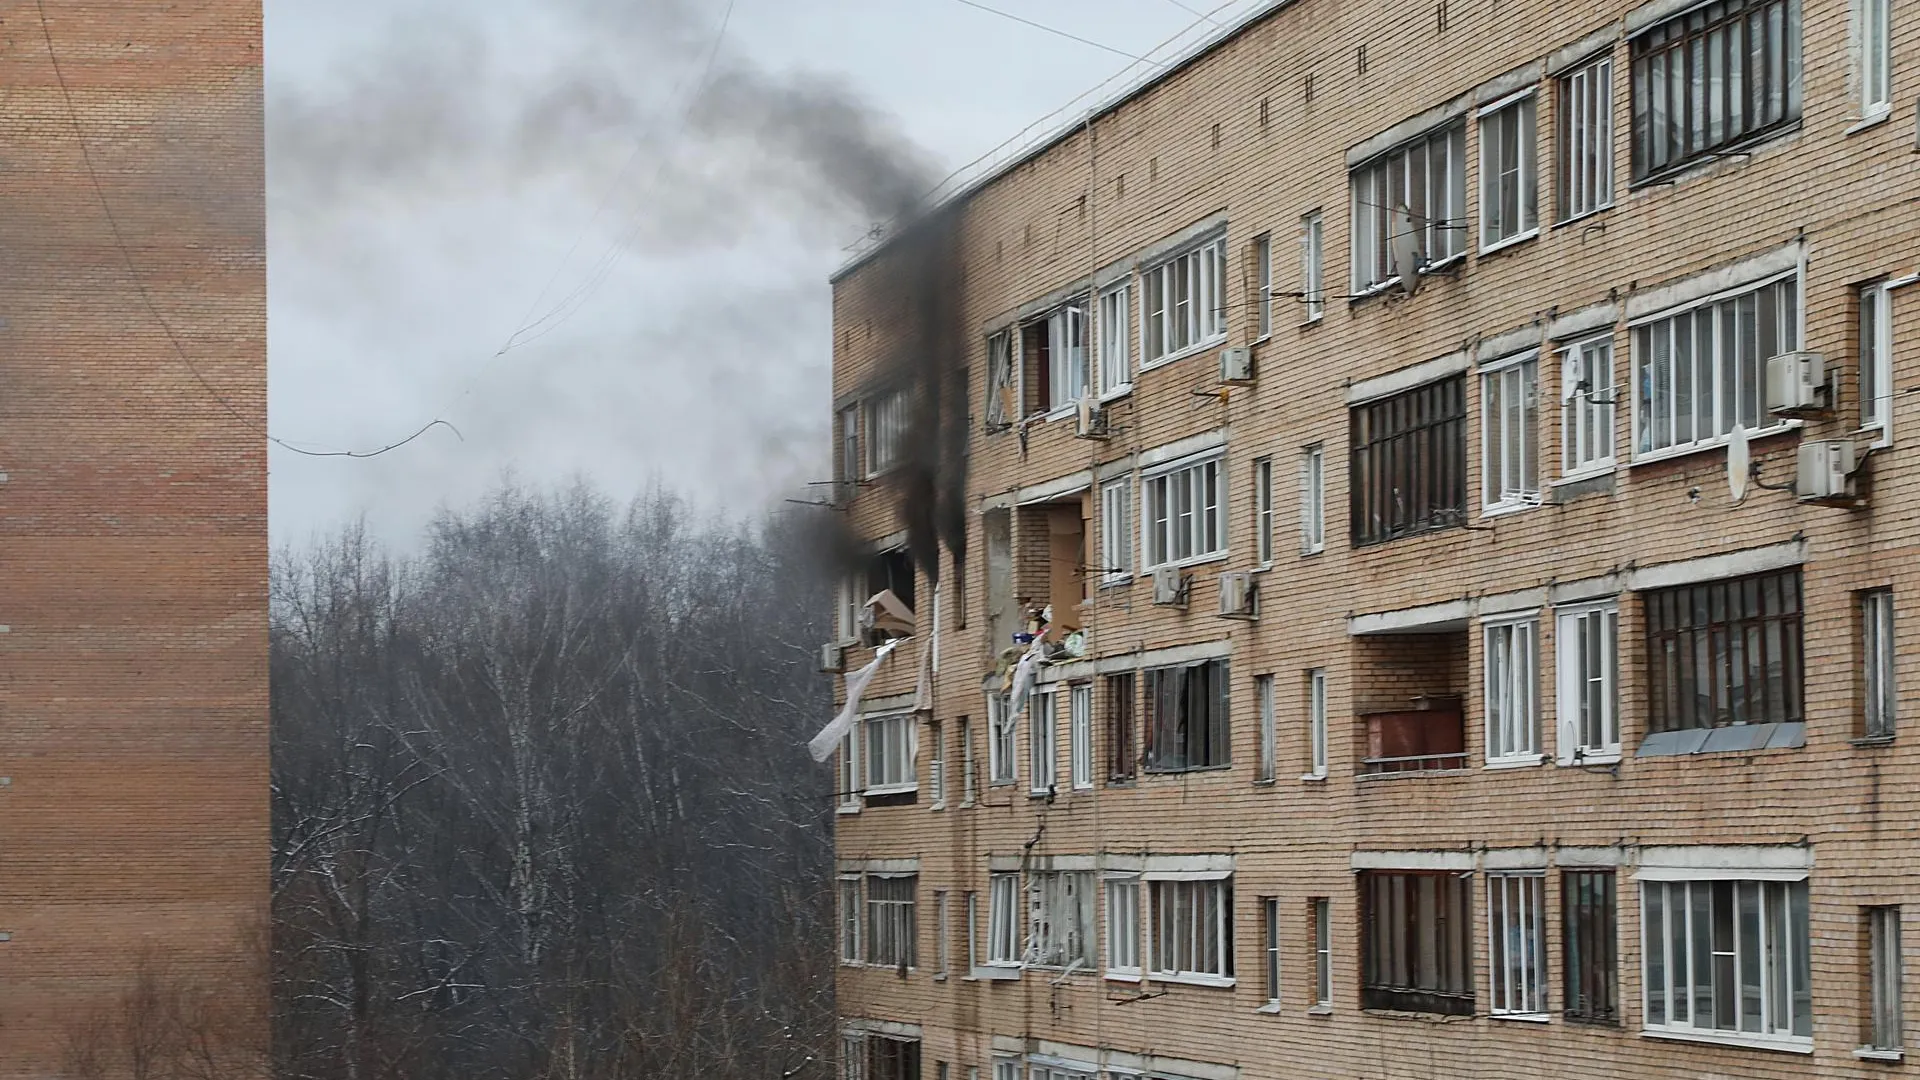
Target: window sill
(966, 804)
(1312, 320)
(1267, 782)
(941, 805)
(1782, 1043)
(1308, 553)
(1718, 442)
(1185, 564)
(1116, 393)
(1586, 472)
(1522, 1018)
(1116, 581)
(1868, 742)
(1600, 757)
(890, 789)
(1362, 294)
(1192, 350)
(1874, 1053)
(1704, 162)
(1873, 119)
(846, 809)
(1271, 1008)
(1509, 242)
(1518, 761)
(1183, 771)
(1313, 778)
(1219, 982)
(1320, 1010)
(1123, 976)
(1503, 509)
(1584, 215)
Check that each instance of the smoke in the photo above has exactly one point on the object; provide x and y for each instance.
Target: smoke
(452, 109)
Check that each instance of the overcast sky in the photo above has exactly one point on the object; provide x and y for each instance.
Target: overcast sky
(443, 173)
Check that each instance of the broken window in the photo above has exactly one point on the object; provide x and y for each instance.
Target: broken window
(1122, 757)
(1409, 462)
(1187, 717)
(1061, 930)
(1000, 403)
(1418, 947)
(890, 1058)
(889, 572)
(1041, 745)
(1726, 652)
(1053, 359)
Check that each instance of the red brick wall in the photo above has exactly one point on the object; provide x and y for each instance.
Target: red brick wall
(133, 520)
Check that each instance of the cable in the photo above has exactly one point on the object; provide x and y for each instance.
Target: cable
(1056, 32)
(1181, 4)
(146, 297)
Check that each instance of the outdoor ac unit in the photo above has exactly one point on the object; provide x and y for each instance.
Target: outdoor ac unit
(1091, 421)
(1796, 383)
(1238, 595)
(1169, 587)
(1236, 364)
(833, 658)
(1825, 470)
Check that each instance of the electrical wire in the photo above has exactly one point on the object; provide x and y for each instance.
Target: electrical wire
(146, 296)
(1056, 31)
(1181, 4)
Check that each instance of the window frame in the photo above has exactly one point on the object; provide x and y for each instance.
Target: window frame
(1052, 904)
(1584, 422)
(1266, 758)
(1263, 513)
(903, 924)
(1585, 138)
(1511, 682)
(1665, 711)
(1159, 529)
(1879, 663)
(1590, 955)
(1122, 727)
(1874, 355)
(1575, 682)
(1043, 741)
(936, 765)
(1372, 218)
(1313, 283)
(1313, 499)
(1263, 287)
(897, 757)
(1873, 58)
(1316, 724)
(1002, 404)
(1114, 336)
(967, 782)
(1886, 969)
(1499, 491)
(1683, 37)
(1677, 962)
(1003, 741)
(1215, 742)
(852, 920)
(1004, 945)
(852, 463)
(1117, 929)
(1116, 531)
(1270, 910)
(943, 934)
(1080, 736)
(1522, 107)
(1425, 434)
(1451, 952)
(1205, 264)
(1644, 381)
(1163, 897)
(1516, 916)
(1322, 909)
(852, 790)
(884, 420)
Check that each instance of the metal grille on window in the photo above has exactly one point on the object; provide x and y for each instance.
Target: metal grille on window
(1713, 78)
(890, 920)
(1726, 652)
(1588, 950)
(1409, 462)
(1417, 948)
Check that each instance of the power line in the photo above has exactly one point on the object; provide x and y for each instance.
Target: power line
(146, 298)
(1058, 32)
(1181, 4)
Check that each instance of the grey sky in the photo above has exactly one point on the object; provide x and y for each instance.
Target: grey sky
(442, 172)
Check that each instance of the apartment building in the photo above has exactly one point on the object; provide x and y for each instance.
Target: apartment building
(133, 538)
(1451, 456)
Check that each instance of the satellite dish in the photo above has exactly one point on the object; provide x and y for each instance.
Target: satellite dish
(1404, 246)
(1739, 463)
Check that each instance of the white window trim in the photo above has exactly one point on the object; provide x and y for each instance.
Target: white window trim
(1603, 465)
(1224, 492)
(1147, 915)
(1525, 500)
(1217, 236)
(1883, 363)
(1316, 725)
(1313, 504)
(1480, 119)
(1265, 515)
(849, 773)
(1635, 457)
(937, 778)
(1123, 289)
(1080, 736)
(1563, 80)
(912, 783)
(1266, 759)
(1872, 111)
(1015, 921)
(1566, 672)
(999, 708)
(1121, 538)
(1540, 973)
(1137, 971)
(1313, 266)
(1510, 759)
(1037, 701)
(1263, 293)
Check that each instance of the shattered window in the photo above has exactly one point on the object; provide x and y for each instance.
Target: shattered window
(1187, 717)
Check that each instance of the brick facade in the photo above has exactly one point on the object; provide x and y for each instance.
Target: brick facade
(133, 516)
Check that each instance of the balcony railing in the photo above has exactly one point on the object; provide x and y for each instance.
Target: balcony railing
(1415, 763)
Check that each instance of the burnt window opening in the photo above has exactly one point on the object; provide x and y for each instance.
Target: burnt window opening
(1187, 724)
(1417, 949)
(1408, 463)
(888, 572)
(1725, 653)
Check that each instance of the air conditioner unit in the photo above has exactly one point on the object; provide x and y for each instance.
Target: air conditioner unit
(1236, 364)
(1169, 587)
(1091, 421)
(1825, 471)
(833, 658)
(1238, 595)
(1796, 383)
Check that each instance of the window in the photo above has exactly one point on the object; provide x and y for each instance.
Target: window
(850, 920)
(1322, 953)
(937, 765)
(1008, 1069)
(966, 762)
(973, 930)
(1000, 401)
(849, 472)
(1876, 358)
(1586, 406)
(889, 754)
(1425, 180)
(1264, 767)
(889, 1058)
(1316, 724)
(1586, 139)
(850, 787)
(1884, 1031)
(1066, 354)
(853, 1056)
(1041, 745)
(1123, 926)
(1003, 920)
(1263, 270)
(886, 425)
(1061, 930)
(1876, 639)
(1726, 652)
(1513, 707)
(1313, 290)
(1727, 956)
(1417, 950)
(1701, 371)
(1517, 946)
(1185, 513)
(1122, 757)
(1116, 364)
(1711, 79)
(1313, 514)
(890, 923)
(1001, 768)
(1080, 737)
(1270, 908)
(1187, 717)
(1873, 42)
(943, 928)
(1186, 301)
(1408, 462)
(1192, 928)
(1508, 173)
(851, 596)
(1116, 531)
(1509, 433)
(1586, 646)
(1263, 511)
(1588, 949)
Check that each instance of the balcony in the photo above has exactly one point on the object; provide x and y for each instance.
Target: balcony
(1409, 690)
